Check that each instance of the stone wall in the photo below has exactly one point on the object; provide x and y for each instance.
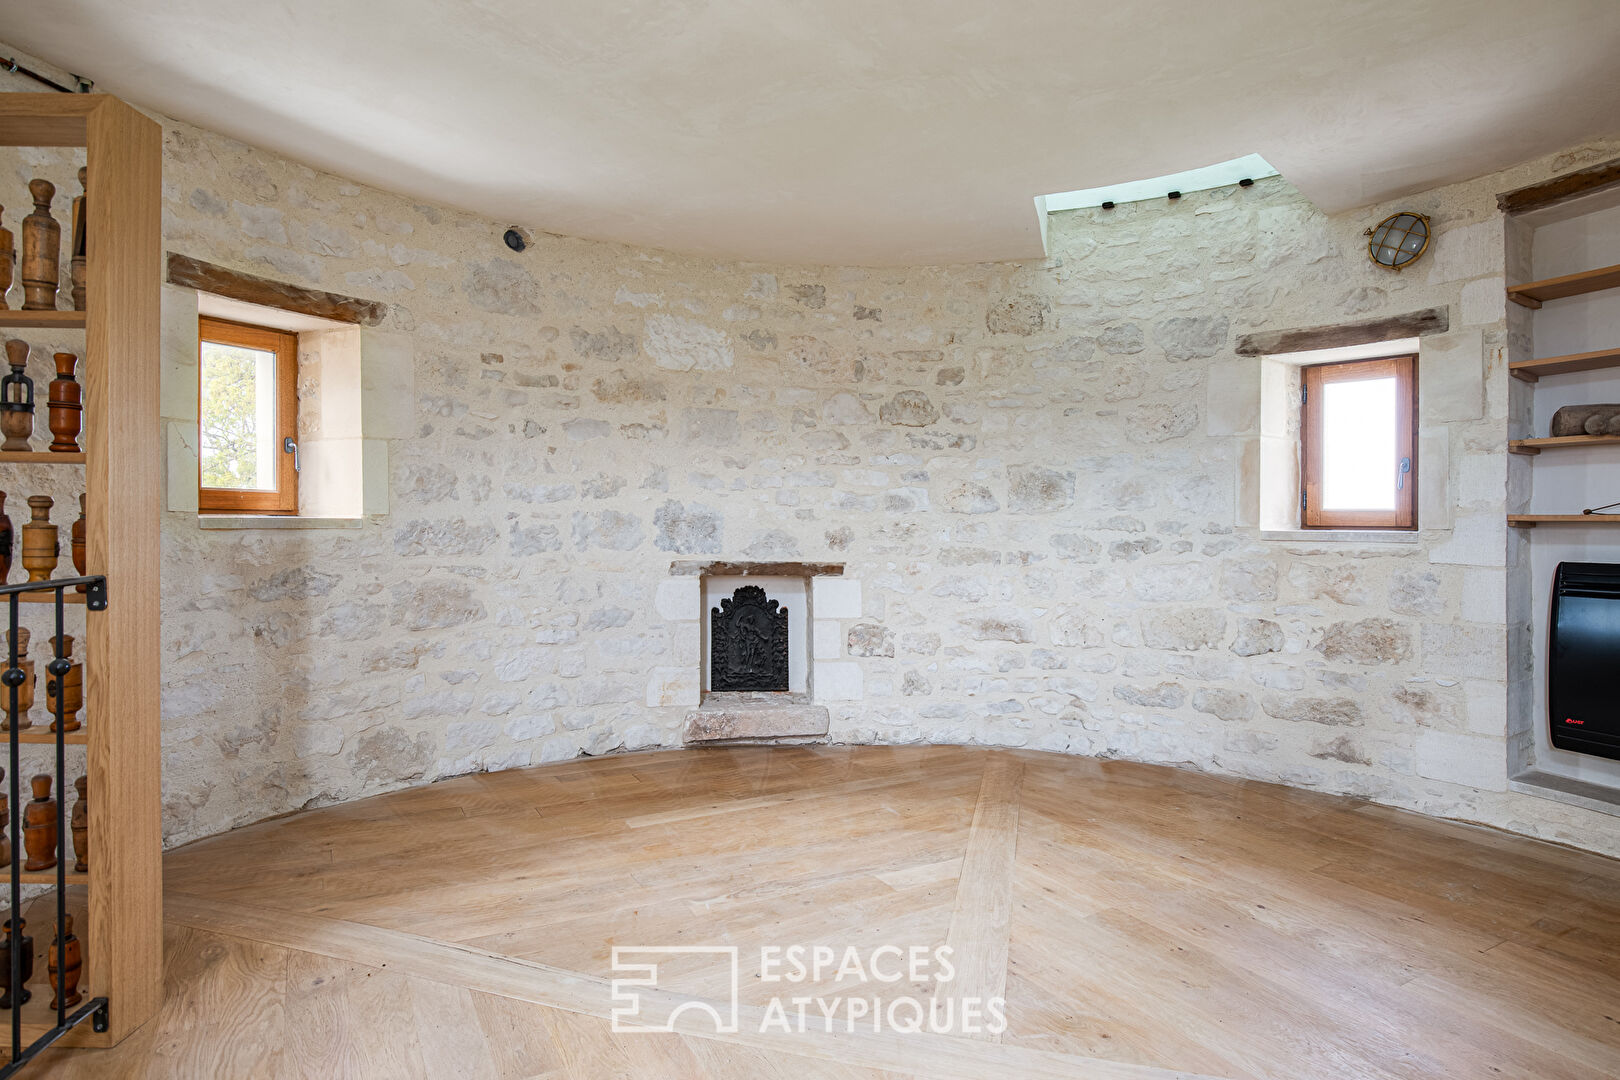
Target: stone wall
(1039, 472)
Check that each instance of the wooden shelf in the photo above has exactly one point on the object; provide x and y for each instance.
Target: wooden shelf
(42, 733)
(48, 877)
(1530, 521)
(1531, 370)
(1536, 446)
(69, 597)
(39, 457)
(42, 320)
(1534, 293)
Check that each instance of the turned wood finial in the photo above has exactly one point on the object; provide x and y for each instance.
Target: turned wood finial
(41, 506)
(17, 352)
(83, 172)
(43, 192)
(41, 783)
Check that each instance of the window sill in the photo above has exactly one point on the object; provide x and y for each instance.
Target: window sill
(1341, 536)
(273, 521)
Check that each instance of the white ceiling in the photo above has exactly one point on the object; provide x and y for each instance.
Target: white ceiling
(850, 131)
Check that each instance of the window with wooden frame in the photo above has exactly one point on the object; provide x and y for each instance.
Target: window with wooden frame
(247, 419)
(1359, 457)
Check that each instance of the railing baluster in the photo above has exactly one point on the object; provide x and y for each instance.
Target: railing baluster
(14, 677)
(58, 669)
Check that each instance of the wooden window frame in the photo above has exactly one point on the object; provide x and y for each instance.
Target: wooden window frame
(1314, 379)
(284, 500)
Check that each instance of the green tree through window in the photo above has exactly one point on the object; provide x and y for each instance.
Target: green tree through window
(230, 409)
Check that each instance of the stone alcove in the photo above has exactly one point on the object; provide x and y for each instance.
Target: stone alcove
(816, 598)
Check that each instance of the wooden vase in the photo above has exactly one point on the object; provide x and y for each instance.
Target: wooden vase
(72, 689)
(79, 822)
(25, 690)
(41, 250)
(25, 946)
(77, 535)
(64, 968)
(16, 399)
(77, 268)
(40, 546)
(6, 537)
(66, 405)
(39, 825)
(8, 255)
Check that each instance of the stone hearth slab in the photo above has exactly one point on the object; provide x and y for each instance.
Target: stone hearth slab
(746, 720)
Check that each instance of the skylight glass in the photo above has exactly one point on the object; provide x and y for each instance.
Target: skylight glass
(1253, 167)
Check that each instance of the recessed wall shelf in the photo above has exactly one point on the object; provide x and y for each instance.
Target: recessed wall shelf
(1531, 370)
(1530, 521)
(39, 457)
(1532, 294)
(1536, 446)
(43, 320)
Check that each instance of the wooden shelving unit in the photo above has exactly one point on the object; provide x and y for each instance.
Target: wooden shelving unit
(1531, 370)
(121, 923)
(1531, 447)
(1535, 293)
(1530, 521)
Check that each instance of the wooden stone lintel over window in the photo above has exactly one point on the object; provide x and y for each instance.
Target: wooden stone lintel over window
(252, 289)
(1551, 192)
(1310, 338)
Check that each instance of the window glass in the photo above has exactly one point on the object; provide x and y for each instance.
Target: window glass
(238, 411)
(1358, 445)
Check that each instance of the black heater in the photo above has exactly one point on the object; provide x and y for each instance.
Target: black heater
(1583, 659)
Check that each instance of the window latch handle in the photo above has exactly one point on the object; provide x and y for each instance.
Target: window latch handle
(1400, 472)
(289, 446)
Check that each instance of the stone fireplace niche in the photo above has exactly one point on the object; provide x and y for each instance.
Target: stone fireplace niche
(755, 650)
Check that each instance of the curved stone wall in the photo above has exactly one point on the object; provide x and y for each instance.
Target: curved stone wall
(1041, 474)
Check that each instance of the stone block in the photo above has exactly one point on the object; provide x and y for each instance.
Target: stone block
(1484, 301)
(838, 680)
(826, 639)
(181, 463)
(1232, 397)
(1452, 371)
(1476, 540)
(1457, 651)
(718, 723)
(673, 686)
(1468, 760)
(677, 599)
(835, 598)
(1484, 596)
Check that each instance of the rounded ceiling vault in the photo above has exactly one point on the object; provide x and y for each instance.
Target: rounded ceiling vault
(849, 131)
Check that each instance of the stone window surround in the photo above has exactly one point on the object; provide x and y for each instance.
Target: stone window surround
(361, 395)
(832, 601)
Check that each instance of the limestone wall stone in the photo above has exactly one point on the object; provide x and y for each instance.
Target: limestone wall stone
(1035, 470)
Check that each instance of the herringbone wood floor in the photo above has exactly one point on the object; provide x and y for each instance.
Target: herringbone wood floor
(1143, 923)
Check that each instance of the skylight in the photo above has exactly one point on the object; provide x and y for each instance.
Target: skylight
(1252, 167)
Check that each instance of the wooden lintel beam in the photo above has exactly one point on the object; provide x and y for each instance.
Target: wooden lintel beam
(1411, 324)
(250, 288)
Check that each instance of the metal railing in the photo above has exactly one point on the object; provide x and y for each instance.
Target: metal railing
(13, 678)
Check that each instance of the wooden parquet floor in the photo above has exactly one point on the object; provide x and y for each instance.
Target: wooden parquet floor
(1142, 923)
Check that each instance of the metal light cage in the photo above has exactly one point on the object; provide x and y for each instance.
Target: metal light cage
(1398, 240)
